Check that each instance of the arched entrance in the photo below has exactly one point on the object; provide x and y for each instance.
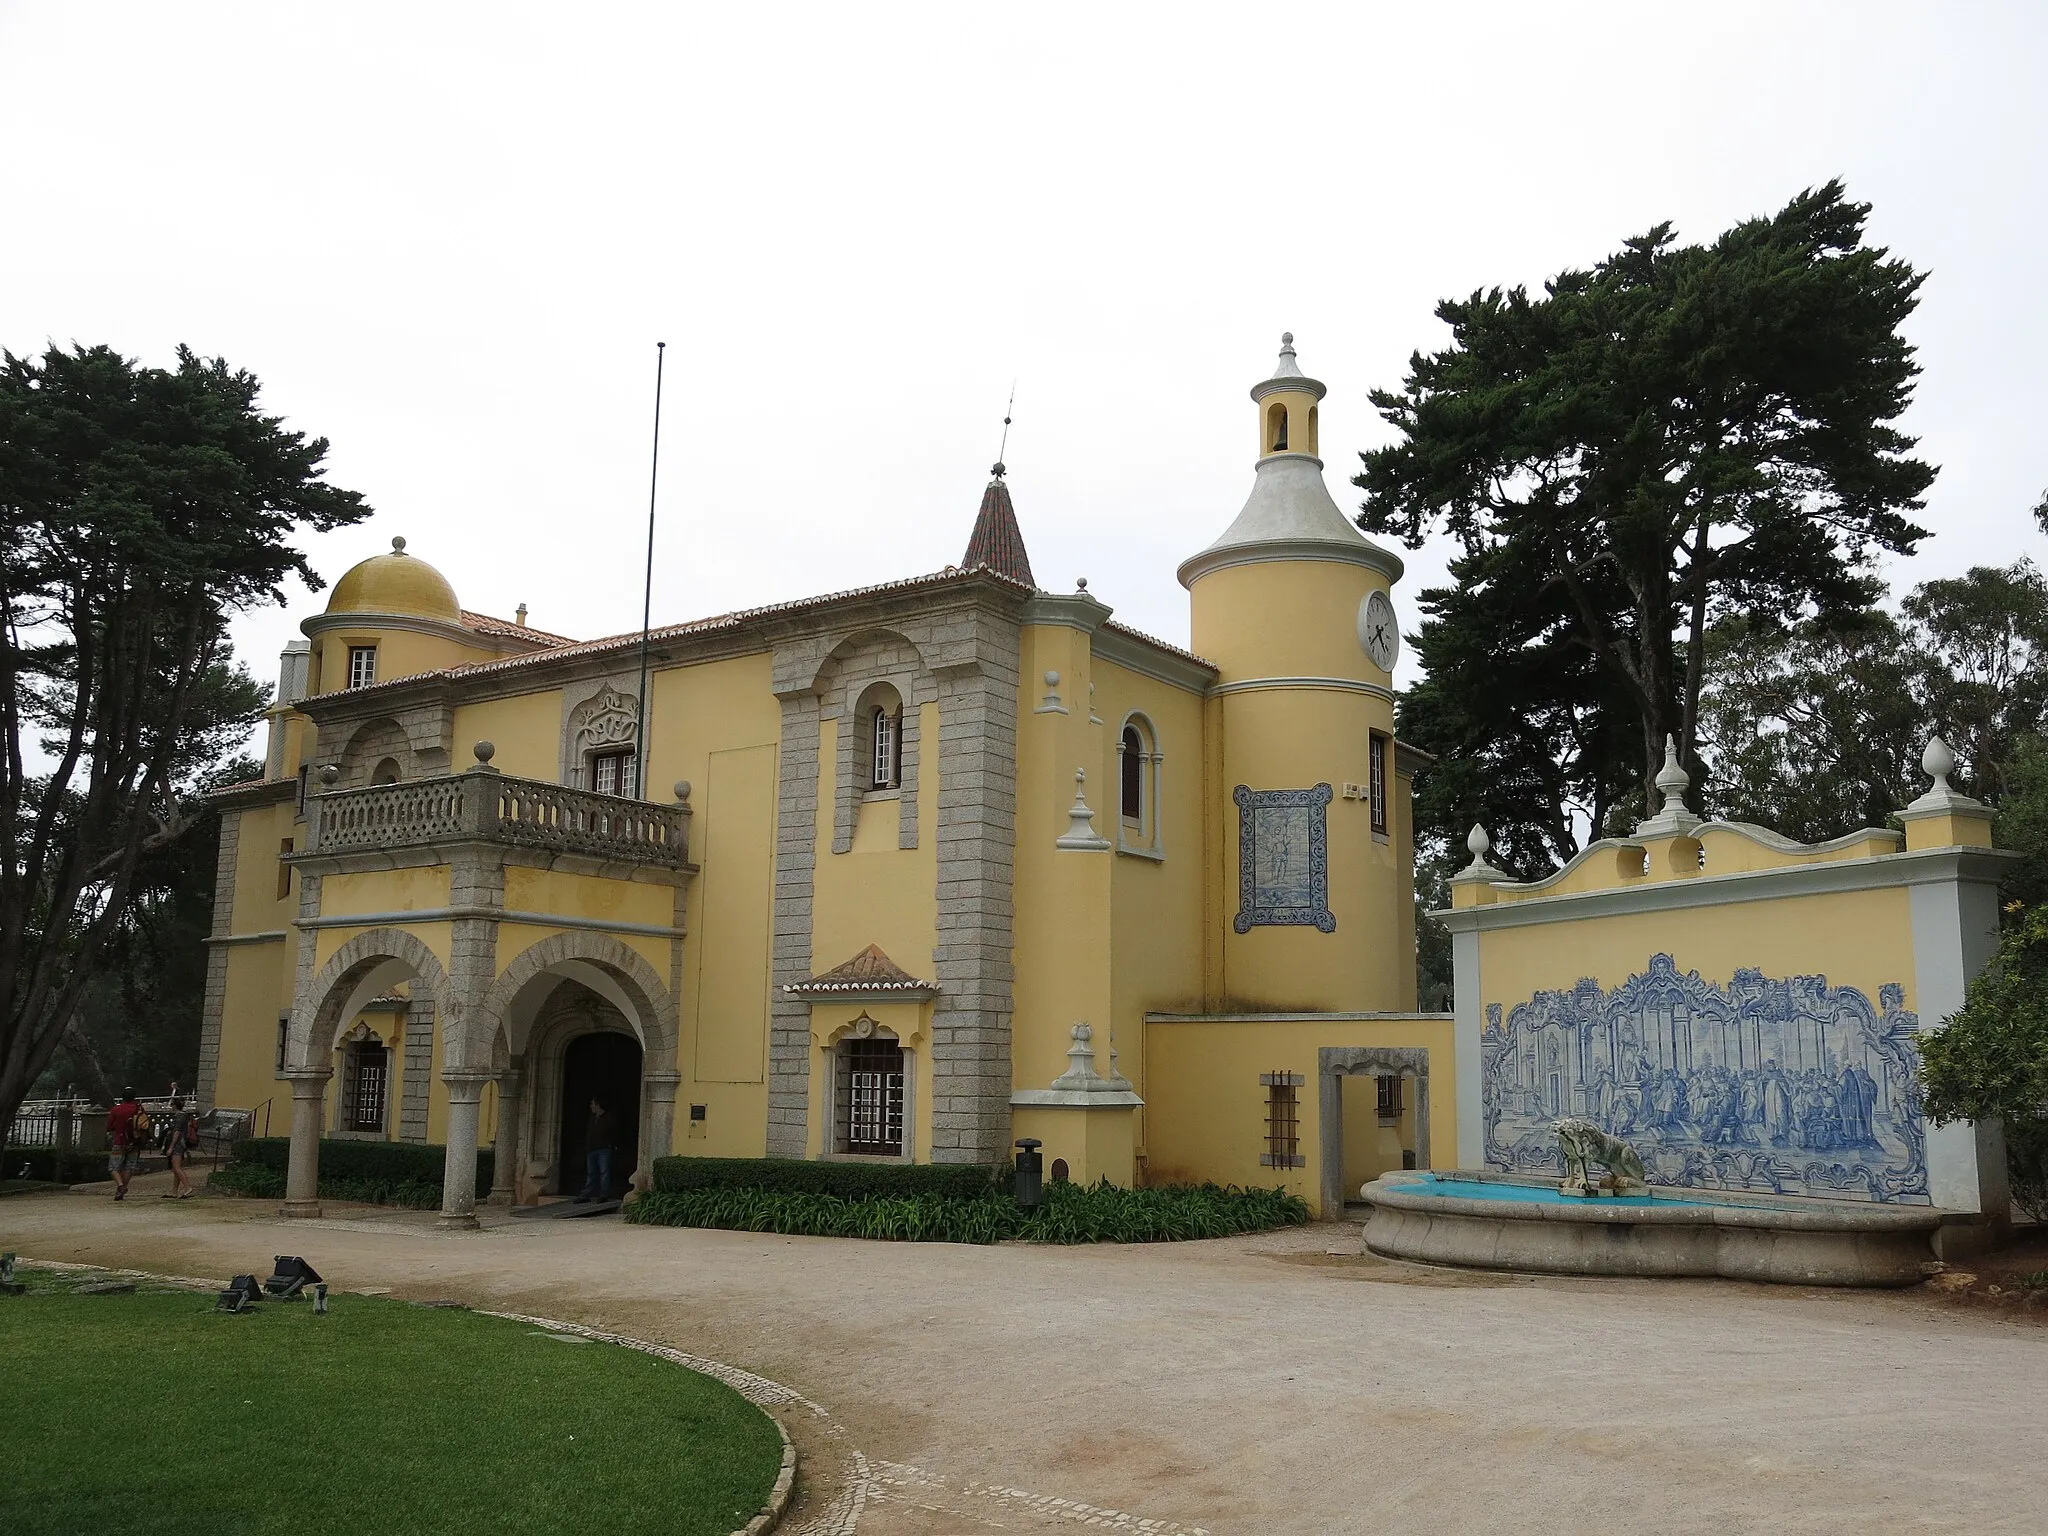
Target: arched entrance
(603, 1066)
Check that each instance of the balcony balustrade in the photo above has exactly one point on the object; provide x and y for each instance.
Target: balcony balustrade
(485, 805)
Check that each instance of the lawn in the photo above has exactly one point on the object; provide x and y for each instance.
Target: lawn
(153, 1412)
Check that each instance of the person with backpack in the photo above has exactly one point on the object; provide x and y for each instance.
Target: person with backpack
(183, 1139)
(128, 1131)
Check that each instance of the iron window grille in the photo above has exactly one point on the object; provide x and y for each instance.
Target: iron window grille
(369, 1070)
(1283, 1120)
(362, 665)
(1376, 782)
(871, 1098)
(1389, 1100)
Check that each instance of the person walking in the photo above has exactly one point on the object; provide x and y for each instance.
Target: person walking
(128, 1131)
(184, 1136)
(597, 1155)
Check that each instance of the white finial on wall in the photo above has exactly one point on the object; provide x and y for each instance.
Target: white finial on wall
(1478, 844)
(1938, 762)
(1672, 781)
(1080, 835)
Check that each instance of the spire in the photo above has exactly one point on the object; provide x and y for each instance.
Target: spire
(998, 543)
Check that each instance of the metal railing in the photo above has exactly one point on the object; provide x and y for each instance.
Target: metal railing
(495, 807)
(79, 1125)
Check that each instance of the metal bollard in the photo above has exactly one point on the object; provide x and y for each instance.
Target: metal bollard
(1029, 1187)
(320, 1299)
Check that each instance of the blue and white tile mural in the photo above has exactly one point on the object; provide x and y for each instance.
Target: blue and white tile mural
(1787, 1086)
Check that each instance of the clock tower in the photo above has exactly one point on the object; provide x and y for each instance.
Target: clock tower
(1292, 603)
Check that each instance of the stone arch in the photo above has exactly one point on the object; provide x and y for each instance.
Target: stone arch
(364, 967)
(606, 965)
(374, 743)
(868, 666)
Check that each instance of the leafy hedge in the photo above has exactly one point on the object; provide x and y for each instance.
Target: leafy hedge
(848, 1181)
(58, 1167)
(254, 1179)
(385, 1163)
(1071, 1213)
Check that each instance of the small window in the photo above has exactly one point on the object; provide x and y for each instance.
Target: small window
(284, 1034)
(386, 771)
(284, 870)
(885, 738)
(870, 1107)
(362, 665)
(367, 1072)
(611, 773)
(1132, 768)
(1376, 786)
(1137, 777)
(1283, 1120)
(1276, 427)
(1389, 1100)
(304, 774)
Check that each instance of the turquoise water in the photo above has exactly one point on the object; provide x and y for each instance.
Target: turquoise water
(1539, 1194)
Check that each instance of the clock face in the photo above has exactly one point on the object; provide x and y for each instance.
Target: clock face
(1377, 631)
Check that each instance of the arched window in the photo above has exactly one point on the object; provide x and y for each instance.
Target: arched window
(1137, 777)
(882, 719)
(1276, 428)
(386, 771)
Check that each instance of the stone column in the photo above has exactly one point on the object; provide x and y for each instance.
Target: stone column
(658, 1128)
(458, 1181)
(302, 1175)
(505, 1154)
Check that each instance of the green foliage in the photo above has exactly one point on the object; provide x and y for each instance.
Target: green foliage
(437, 1408)
(140, 509)
(1991, 1060)
(851, 1181)
(1070, 1214)
(388, 1163)
(1679, 434)
(48, 1163)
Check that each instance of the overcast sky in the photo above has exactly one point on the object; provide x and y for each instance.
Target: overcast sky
(447, 238)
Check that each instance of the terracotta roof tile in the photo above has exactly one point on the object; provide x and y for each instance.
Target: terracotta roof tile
(868, 971)
(997, 543)
(486, 624)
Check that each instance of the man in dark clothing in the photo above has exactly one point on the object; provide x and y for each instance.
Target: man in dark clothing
(124, 1141)
(597, 1155)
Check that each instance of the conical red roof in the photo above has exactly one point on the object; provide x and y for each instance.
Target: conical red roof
(997, 542)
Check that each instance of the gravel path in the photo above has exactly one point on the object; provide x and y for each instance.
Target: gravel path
(1282, 1383)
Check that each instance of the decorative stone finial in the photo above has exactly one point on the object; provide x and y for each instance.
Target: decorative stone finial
(1478, 844)
(682, 791)
(1672, 779)
(1938, 762)
(1052, 679)
(1080, 835)
(398, 544)
(1080, 583)
(1672, 818)
(485, 751)
(997, 469)
(1081, 1071)
(1051, 704)
(1287, 341)
(330, 774)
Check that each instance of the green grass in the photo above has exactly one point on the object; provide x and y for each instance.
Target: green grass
(1072, 1213)
(153, 1412)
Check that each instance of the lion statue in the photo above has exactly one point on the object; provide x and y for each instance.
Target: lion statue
(1583, 1143)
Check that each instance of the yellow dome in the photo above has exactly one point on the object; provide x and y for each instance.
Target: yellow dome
(396, 583)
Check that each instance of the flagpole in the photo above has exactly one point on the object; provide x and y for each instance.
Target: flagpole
(642, 741)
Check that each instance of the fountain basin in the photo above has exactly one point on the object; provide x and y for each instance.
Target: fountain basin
(1486, 1221)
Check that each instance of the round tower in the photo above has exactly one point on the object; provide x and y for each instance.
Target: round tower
(1292, 605)
(387, 617)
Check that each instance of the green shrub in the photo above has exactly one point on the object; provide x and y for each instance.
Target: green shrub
(1071, 1214)
(388, 1163)
(849, 1181)
(2026, 1160)
(49, 1164)
(265, 1183)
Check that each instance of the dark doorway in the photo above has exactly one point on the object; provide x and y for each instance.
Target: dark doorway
(605, 1067)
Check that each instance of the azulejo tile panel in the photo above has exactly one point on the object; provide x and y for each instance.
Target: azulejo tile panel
(1283, 862)
(1786, 1086)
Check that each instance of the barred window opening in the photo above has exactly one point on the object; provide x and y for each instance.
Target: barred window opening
(870, 1107)
(1283, 1120)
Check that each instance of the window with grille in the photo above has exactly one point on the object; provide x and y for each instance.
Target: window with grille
(1389, 1100)
(885, 734)
(1283, 1120)
(362, 665)
(870, 1108)
(611, 773)
(369, 1070)
(1376, 787)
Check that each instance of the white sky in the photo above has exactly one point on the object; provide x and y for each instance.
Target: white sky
(448, 238)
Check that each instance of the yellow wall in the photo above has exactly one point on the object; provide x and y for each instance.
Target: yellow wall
(400, 653)
(420, 889)
(527, 731)
(1207, 1111)
(729, 1041)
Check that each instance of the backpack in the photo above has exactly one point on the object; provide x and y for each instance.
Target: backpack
(139, 1128)
(191, 1130)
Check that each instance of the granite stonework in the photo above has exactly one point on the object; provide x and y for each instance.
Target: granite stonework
(1787, 1086)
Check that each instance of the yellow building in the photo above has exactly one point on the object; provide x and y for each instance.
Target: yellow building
(908, 872)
